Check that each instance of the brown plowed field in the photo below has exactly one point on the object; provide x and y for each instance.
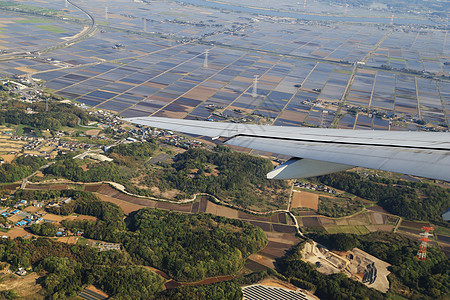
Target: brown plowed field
(127, 207)
(109, 191)
(92, 187)
(282, 218)
(263, 260)
(305, 199)
(195, 207)
(243, 215)
(311, 221)
(263, 225)
(175, 207)
(10, 187)
(417, 225)
(222, 211)
(203, 204)
(283, 228)
(275, 249)
(274, 219)
(254, 266)
(46, 187)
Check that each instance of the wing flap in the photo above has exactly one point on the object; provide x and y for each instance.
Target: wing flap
(424, 163)
(425, 154)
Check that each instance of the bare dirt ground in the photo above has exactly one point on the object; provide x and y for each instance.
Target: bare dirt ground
(209, 280)
(305, 199)
(68, 239)
(356, 264)
(39, 174)
(278, 283)
(57, 218)
(16, 232)
(159, 272)
(32, 209)
(220, 210)
(97, 291)
(15, 218)
(262, 260)
(8, 157)
(93, 131)
(25, 286)
(127, 207)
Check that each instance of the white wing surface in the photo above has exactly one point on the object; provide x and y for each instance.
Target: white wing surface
(323, 151)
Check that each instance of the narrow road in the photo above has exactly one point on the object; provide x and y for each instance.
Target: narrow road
(288, 211)
(75, 39)
(25, 180)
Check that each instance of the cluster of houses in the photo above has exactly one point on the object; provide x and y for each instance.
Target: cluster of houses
(73, 146)
(60, 201)
(315, 187)
(27, 221)
(20, 203)
(180, 141)
(106, 118)
(166, 136)
(103, 246)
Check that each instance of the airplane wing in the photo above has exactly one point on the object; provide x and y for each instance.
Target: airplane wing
(319, 151)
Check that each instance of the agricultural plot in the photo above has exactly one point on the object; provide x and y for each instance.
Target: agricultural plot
(8, 146)
(347, 229)
(305, 199)
(137, 73)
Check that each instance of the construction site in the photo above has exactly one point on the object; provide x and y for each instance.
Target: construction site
(356, 264)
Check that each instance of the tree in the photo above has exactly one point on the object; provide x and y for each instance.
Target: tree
(44, 229)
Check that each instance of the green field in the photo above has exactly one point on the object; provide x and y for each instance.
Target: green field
(34, 20)
(397, 59)
(397, 297)
(442, 230)
(82, 241)
(342, 71)
(51, 28)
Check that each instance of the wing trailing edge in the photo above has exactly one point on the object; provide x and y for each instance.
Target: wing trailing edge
(425, 154)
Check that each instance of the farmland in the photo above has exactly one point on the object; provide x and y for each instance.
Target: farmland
(307, 70)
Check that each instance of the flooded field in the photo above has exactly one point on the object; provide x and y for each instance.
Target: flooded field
(163, 60)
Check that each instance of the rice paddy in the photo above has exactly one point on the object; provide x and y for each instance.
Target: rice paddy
(144, 62)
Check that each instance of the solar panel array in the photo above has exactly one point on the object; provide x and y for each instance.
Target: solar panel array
(260, 292)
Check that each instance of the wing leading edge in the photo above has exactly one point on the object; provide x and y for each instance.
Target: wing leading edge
(323, 151)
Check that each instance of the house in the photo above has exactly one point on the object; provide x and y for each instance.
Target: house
(21, 223)
(446, 215)
(21, 272)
